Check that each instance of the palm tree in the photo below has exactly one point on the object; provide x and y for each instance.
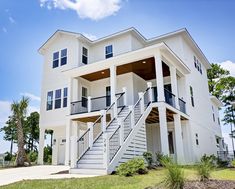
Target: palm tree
(19, 110)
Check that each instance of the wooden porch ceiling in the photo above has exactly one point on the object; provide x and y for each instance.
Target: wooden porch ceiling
(144, 68)
(153, 117)
(92, 119)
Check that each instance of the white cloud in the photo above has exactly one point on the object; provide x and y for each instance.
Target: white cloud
(90, 36)
(31, 96)
(92, 9)
(230, 66)
(4, 29)
(11, 19)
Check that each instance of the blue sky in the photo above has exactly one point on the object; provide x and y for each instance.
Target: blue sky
(26, 24)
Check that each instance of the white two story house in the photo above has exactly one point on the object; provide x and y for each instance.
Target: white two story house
(110, 100)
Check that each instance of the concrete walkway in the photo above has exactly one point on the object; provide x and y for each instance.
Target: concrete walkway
(11, 175)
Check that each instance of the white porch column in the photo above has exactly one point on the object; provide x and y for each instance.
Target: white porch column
(70, 95)
(113, 83)
(178, 139)
(174, 85)
(67, 148)
(74, 152)
(124, 96)
(163, 130)
(41, 146)
(159, 77)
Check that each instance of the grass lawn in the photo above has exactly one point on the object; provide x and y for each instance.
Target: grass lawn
(115, 182)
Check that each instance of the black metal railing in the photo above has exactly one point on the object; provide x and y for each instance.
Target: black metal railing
(154, 93)
(114, 143)
(120, 100)
(226, 155)
(169, 97)
(146, 98)
(97, 128)
(182, 106)
(100, 103)
(83, 144)
(79, 107)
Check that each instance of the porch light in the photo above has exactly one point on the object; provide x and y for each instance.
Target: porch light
(102, 73)
(144, 62)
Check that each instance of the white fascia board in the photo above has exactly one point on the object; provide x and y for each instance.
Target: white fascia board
(216, 101)
(125, 58)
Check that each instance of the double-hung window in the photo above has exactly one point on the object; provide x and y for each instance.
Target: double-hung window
(84, 55)
(108, 51)
(191, 94)
(55, 59)
(49, 100)
(58, 98)
(63, 57)
(65, 97)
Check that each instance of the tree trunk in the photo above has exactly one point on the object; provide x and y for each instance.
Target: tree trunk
(21, 155)
(11, 148)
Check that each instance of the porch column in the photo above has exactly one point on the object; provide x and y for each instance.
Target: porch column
(159, 77)
(163, 130)
(113, 83)
(70, 95)
(174, 85)
(41, 146)
(178, 139)
(67, 148)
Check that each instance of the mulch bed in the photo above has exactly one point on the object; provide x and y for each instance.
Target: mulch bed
(210, 184)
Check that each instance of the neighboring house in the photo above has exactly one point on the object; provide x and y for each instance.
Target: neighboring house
(112, 99)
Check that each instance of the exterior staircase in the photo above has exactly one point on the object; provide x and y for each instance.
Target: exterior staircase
(122, 139)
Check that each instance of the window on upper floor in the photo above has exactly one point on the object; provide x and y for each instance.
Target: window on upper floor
(58, 98)
(108, 51)
(197, 64)
(49, 100)
(55, 59)
(197, 139)
(84, 55)
(65, 98)
(63, 57)
(191, 94)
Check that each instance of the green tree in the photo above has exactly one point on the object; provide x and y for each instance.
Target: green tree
(10, 132)
(214, 75)
(19, 110)
(32, 130)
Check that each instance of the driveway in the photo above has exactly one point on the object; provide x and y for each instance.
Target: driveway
(12, 175)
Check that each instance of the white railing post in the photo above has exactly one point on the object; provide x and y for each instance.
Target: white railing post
(121, 135)
(74, 151)
(131, 108)
(124, 96)
(90, 126)
(141, 97)
(103, 121)
(150, 92)
(106, 150)
(89, 104)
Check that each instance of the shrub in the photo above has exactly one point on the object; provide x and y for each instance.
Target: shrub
(132, 167)
(32, 156)
(149, 158)
(233, 163)
(165, 160)
(205, 167)
(175, 176)
(222, 163)
(47, 154)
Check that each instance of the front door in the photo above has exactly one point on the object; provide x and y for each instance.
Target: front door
(61, 158)
(171, 142)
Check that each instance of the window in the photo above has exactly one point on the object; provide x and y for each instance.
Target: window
(63, 57)
(197, 141)
(213, 117)
(191, 94)
(55, 59)
(171, 143)
(65, 97)
(197, 64)
(84, 97)
(218, 121)
(57, 98)
(108, 96)
(49, 100)
(84, 55)
(108, 51)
